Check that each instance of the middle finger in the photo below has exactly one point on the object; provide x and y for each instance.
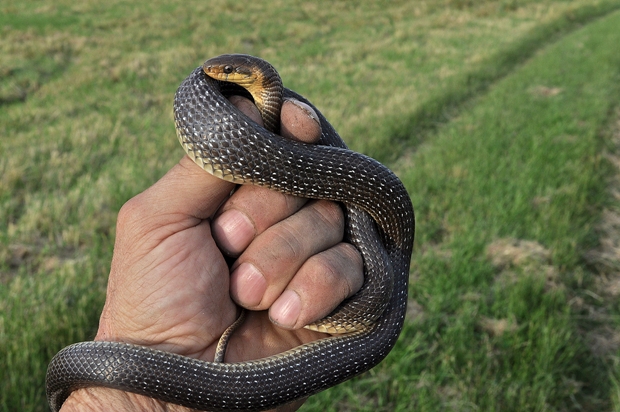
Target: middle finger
(264, 269)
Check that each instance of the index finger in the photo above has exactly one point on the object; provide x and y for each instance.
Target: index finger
(245, 215)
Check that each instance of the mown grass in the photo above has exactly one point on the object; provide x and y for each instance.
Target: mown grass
(523, 163)
(495, 114)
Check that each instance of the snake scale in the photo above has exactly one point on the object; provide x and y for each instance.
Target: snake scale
(379, 223)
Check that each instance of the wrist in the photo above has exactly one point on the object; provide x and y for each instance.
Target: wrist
(105, 399)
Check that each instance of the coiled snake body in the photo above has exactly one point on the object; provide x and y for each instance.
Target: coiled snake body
(380, 223)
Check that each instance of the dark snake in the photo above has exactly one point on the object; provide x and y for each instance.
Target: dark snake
(379, 223)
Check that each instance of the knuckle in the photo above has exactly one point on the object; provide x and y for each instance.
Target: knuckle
(284, 245)
(339, 268)
(130, 212)
(330, 214)
(351, 255)
(352, 266)
(325, 269)
(264, 207)
(292, 203)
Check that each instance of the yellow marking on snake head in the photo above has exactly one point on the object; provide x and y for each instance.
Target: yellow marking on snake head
(236, 69)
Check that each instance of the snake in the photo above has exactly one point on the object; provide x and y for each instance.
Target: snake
(379, 222)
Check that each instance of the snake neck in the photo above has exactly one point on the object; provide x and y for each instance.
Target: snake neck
(267, 94)
(268, 100)
(269, 104)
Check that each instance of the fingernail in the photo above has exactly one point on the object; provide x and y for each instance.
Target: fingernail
(233, 231)
(248, 285)
(307, 109)
(286, 309)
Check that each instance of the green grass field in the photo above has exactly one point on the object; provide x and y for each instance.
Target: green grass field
(502, 117)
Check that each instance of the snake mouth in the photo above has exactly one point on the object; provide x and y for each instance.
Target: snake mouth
(241, 77)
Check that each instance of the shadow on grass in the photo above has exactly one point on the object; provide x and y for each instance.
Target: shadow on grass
(19, 81)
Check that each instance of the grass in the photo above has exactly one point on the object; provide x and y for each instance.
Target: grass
(499, 116)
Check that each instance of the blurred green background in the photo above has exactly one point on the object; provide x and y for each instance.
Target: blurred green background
(500, 116)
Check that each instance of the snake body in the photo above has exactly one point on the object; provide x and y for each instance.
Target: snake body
(379, 222)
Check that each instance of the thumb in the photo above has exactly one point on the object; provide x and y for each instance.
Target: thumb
(186, 193)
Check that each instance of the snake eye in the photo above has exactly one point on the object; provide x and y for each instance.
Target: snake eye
(228, 69)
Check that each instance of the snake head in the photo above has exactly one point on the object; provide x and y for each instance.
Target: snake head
(256, 76)
(234, 68)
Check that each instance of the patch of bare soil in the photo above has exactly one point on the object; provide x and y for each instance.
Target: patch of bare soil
(594, 303)
(506, 254)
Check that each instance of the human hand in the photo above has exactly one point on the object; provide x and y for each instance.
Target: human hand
(169, 282)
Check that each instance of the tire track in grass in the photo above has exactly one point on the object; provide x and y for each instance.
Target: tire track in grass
(410, 132)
